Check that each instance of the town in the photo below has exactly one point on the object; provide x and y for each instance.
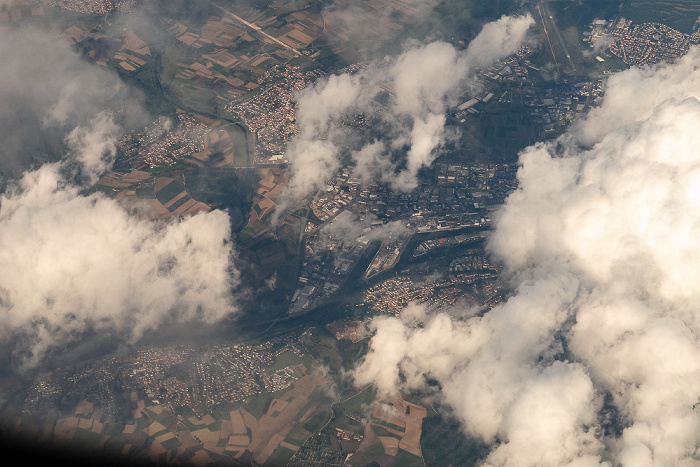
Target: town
(457, 198)
(648, 43)
(269, 114)
(209, 376)
(355, 250)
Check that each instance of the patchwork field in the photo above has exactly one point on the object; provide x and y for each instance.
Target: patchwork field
(392, 436)
(272, 182)
(266, 435)
(155, 197)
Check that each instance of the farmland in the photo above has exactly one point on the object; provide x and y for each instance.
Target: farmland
(678, 14)
(167, 426)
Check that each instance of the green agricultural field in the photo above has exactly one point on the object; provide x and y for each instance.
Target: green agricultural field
(389, 425)
(179, 203)
(166, 169)
(216, 426)
(324, 346)
(406, 459)
(257, 404)
(381, 431)
(192, 427)
(351, 351)
(286, 359)
(145, 192)
(298, 435)
(581, 14)
(169, 191)
(316, 422)
(246, 234)
(241, 152)
(172, 443)
(357, 404)
(280, 457)
(107, 190)
(374, 451)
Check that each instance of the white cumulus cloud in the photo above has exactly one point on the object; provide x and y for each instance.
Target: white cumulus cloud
(416, 88)
(600, 244)
(71, 262)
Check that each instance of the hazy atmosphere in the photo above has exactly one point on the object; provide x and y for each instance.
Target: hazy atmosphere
(350, 232)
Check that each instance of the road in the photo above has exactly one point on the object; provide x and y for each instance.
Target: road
(257, 29)
(341, 401)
